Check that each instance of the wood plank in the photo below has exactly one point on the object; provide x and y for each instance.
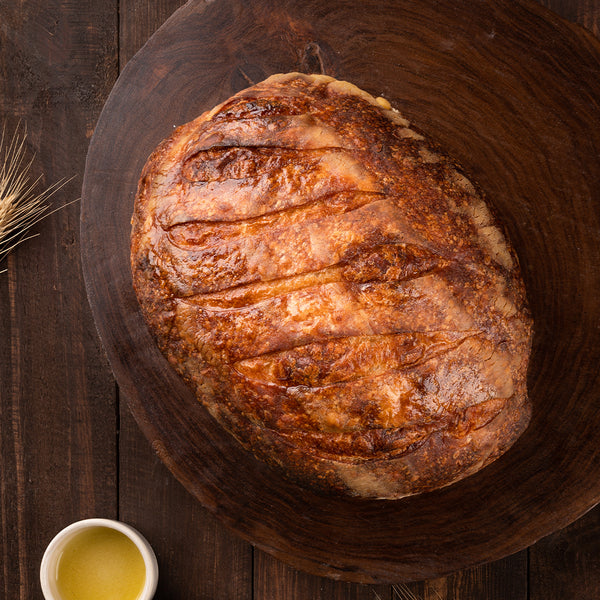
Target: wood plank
(583, 12)
(567, 563)
(504, 579)
(198, 557)
(139, 19)
(57, 415)
(274, 579)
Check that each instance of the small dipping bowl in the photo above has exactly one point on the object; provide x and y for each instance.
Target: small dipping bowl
(61, 544)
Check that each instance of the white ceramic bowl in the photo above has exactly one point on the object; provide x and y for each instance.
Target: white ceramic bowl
(54, 550)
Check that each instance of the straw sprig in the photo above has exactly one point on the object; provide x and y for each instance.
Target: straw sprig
(401, 591)
(21, 204)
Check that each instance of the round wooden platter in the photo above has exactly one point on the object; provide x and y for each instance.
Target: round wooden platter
(512, 92)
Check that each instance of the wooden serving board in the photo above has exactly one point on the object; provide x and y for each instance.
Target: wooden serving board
(509, 89)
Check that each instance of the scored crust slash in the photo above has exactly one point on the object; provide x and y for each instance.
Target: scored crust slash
(334, 289)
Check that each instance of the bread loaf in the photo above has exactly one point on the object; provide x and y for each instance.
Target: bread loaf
(334, 289)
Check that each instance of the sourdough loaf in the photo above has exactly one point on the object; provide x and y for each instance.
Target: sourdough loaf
(334, 289)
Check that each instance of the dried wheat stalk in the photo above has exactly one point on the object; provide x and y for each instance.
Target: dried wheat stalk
(403, 592)
(21, 206)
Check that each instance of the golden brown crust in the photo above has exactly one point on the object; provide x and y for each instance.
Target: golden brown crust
(334, 289)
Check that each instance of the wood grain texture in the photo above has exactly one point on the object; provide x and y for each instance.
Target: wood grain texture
(197, 557)
(584, 12)
(514, 102)
(274, 579)
(57, 415)
(138, 20)
(567, 564)
(505, 579)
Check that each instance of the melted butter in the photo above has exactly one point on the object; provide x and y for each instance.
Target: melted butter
(100, 563)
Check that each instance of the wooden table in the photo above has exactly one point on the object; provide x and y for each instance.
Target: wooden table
(69, 446)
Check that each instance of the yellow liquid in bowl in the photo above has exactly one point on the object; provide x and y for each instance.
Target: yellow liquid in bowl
(100, 563)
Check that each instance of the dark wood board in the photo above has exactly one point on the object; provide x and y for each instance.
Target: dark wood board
(567, 564)
(57, 407)
(511, 91)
